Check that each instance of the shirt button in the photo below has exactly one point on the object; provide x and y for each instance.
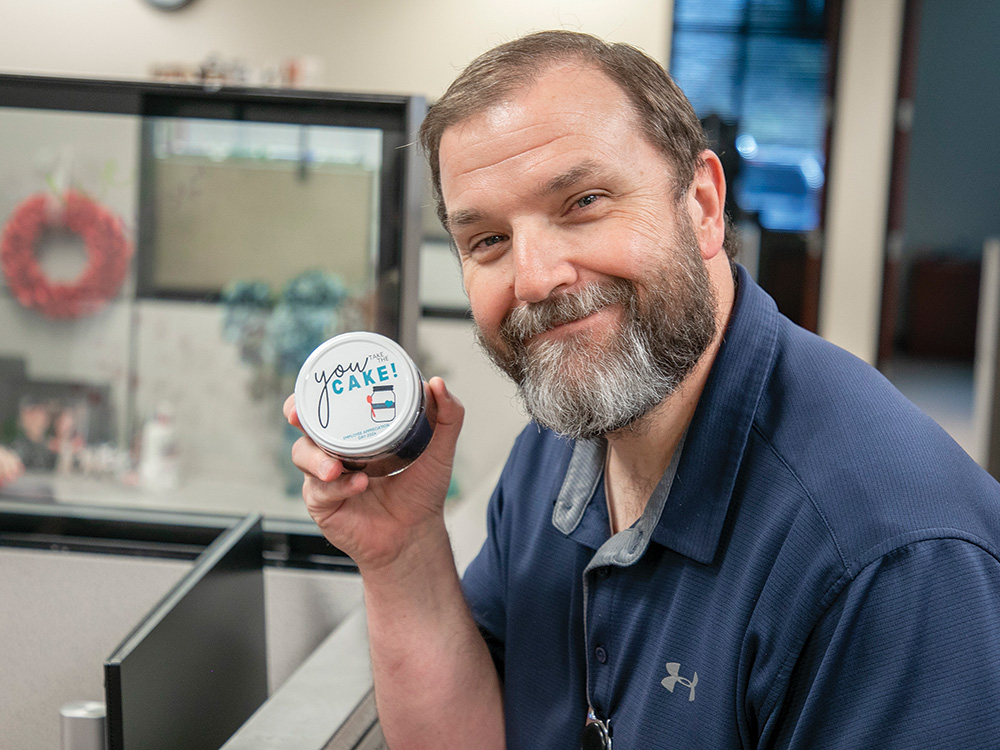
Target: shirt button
(603, 572)
(601, 654)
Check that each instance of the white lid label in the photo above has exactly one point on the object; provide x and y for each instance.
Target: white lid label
(356, 392)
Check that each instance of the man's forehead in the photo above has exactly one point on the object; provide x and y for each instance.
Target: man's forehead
(557, 89)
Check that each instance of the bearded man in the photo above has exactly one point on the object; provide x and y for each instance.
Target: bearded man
(720, 531)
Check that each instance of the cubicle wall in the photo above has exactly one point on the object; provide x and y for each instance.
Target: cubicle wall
(195, 668)
(190, 594)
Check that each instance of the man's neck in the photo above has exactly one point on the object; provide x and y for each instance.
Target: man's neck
(640, 454)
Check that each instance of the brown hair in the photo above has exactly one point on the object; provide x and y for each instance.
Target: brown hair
(664, 113)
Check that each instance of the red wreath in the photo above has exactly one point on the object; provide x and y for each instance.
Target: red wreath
(108, 250)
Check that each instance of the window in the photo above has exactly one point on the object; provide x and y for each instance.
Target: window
(760, 67)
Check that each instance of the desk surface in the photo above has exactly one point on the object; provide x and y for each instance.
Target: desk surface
(197, 495)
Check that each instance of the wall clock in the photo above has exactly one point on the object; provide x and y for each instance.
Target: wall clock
(168, 4)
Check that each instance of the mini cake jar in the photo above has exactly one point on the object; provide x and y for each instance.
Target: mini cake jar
(360, 398)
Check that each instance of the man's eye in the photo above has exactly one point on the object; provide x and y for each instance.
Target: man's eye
(488, 242)
(587, 200)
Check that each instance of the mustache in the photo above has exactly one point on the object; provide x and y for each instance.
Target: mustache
(524, 322)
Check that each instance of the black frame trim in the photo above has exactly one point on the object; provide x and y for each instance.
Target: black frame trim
(159, 533)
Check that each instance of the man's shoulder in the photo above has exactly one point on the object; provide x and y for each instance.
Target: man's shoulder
(822, 406)
(873, 465)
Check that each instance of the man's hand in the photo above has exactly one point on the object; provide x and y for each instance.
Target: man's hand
(374, 519)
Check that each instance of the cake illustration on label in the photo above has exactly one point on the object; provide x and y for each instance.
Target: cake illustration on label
(383, 403)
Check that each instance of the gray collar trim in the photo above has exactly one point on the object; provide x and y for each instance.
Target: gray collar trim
(585, 470)
(579, 484)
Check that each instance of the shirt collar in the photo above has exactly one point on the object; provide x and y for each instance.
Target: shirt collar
(695, 508)
(580, 510)
(692, 521)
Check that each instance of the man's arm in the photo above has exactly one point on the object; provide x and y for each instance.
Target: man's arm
(435, 683)
(908, 656)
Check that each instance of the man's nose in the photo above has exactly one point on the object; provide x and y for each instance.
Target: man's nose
(542, 263)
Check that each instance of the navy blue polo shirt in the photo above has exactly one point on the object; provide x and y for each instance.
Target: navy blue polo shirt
(817, 569)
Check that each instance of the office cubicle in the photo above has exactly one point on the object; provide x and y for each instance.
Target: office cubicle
(183, 623)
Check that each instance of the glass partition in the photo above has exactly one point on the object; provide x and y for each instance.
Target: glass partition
(170, 256)
(272, 200)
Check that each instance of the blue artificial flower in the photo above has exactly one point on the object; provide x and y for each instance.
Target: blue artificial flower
(316, 288)
(246, 307)
(305, 317)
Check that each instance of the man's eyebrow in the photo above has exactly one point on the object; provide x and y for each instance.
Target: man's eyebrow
(462, 218)
(583, 171)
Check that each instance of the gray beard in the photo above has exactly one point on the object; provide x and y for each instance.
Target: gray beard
(583, 389)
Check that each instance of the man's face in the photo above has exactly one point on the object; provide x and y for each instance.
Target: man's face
(583, 272)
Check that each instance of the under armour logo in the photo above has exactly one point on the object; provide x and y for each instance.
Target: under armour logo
(673, 669)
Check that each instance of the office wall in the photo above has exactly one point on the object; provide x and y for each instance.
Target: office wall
(399, 46)
(953, 183)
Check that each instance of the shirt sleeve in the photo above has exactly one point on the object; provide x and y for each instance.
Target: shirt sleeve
(908, 656)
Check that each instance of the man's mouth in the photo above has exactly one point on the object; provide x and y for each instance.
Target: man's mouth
(570, 320)
(556, 316)
(567, 326)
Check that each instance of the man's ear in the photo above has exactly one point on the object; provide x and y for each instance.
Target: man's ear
(707, 204)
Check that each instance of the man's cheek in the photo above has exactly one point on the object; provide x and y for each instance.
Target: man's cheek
(488, 312)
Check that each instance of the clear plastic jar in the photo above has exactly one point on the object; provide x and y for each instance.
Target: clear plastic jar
(360, 398)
